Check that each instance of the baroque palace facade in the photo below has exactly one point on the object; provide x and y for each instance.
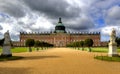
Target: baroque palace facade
(59, 38)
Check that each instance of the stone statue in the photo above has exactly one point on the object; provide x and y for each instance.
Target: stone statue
(113, 36)
(6, 45)
(112, 45)
(7, 38)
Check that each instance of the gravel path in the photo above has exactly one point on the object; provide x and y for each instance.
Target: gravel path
(59, 61)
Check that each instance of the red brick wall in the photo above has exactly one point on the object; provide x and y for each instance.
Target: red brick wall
(95, 38)
(60, 39)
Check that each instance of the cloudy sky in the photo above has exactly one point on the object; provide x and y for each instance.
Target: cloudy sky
(42, 15)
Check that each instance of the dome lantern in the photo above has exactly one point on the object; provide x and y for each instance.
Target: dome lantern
(60, 28)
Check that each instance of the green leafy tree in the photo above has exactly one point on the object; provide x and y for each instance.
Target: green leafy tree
(29, 43)
(78, 44)
(75, 44)
(89, 43)
(82, 44)
(43, 44)
(51, 45)
(118, 41)
(1, 42)
(36, 45)
(69, 45)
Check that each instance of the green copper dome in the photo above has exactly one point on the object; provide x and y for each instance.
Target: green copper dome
(60, 28)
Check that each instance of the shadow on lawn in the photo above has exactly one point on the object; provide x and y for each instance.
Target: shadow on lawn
(39, 57)
(10, 70)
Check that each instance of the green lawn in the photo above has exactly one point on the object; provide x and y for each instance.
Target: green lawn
(106, 58)
(20, 49)
(94, 49)
(99, 49)
(102, 49)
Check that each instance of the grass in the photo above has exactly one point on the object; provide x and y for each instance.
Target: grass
(106, 58)
(98, 49)
(94, 49)
(102, 49)
(20, 49)
(10, 58)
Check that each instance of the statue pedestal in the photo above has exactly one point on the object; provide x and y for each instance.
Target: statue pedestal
(6, 51)
(112, 50)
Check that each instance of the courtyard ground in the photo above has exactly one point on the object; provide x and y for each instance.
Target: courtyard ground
(59, 61)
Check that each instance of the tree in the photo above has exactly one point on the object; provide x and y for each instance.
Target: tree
(1, 42)
(37, 44)
(69, 45)
(75, 44)
(118, 41)
(29, 43)
(42, 44)
(88, 43)
(81, 44)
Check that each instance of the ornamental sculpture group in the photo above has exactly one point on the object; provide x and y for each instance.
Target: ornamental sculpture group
(112, 45)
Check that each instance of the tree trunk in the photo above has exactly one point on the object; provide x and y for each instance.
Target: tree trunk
(78, 48)
(37, 48)
(89, 49)
(30, 49)
(82, 48)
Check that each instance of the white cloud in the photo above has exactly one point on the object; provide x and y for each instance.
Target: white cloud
(113, 16)
(18, 16)
(114, 12)
(105, 32)
(79, 3)
(43, 23)
(6, 27)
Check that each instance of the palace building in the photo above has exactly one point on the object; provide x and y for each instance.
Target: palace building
(60, 37)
